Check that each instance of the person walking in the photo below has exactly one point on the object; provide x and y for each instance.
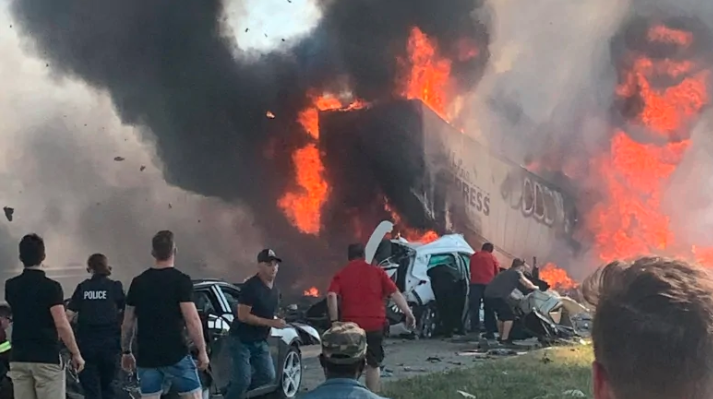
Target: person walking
(363, 289)
(343, 359)
(498, 292)
(39, 318)
(252, 361)
(97, 304)
(484, 266)
(159, 305)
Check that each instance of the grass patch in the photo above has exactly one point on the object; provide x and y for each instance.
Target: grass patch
(540, 374)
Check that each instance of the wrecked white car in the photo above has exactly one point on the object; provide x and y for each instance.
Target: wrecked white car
(407, 263)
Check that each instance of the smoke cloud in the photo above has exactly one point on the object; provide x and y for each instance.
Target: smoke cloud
(59, 139)
(548, 99)
(185, 91)
(177, 75)
(550, 76)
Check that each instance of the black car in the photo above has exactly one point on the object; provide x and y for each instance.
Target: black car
(216, 301)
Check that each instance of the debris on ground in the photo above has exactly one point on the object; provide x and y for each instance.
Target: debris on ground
(433, 359)
(473, 353)
(119, 159)
(386, 373)
(466, 395)
(8, 213)
(502, 352)
(545, 359)
(416, 369)
(141, 169)
(575, 393)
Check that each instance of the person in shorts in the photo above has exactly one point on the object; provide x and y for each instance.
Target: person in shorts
(363, 289)
(498, 292)
(160, 306)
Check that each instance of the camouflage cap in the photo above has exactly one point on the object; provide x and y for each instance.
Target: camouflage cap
(344, 343)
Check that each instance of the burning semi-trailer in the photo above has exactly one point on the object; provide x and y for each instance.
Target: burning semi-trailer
(403, 155)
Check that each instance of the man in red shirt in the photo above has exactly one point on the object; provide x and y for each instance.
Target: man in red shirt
(363, 289)
(483, 268)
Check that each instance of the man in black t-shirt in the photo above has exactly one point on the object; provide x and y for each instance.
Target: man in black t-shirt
(498, 292)
(160, 304)
(252, 362)
(39, 318)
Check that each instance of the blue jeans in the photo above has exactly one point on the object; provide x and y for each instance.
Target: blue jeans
(252, 367)
(183, 376)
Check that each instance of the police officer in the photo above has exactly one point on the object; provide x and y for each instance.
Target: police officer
(98, 303)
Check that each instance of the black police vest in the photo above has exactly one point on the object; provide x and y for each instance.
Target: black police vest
(98, 310)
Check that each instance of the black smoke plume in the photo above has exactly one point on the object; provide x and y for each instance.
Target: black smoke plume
(174, 68)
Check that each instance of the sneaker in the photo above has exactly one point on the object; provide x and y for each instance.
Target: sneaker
(508, 341)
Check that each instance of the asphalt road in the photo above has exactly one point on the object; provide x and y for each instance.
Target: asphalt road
(404, 359)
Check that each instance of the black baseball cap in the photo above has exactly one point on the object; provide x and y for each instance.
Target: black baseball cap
(267, 255)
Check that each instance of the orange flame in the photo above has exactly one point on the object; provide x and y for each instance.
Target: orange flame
(664, 34)
(428, 73)
(313, 292)
(630, 221)
(303, 208)
(557, 278)
(411, 235)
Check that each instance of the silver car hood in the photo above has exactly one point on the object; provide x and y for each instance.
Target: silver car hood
(308, 334)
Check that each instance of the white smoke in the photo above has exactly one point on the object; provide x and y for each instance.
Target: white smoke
(549, 62)
(264, 25)
(58, 142)
(551, 80)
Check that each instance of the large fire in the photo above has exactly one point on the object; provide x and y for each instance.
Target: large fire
(425, 76)
(303, 207)
(630, 221)
(408, 233)
(557, 278)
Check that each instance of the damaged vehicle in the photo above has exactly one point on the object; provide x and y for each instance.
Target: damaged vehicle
(549, 317)
(216, 301)
(408, 263)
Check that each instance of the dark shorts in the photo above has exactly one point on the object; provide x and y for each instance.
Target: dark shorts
(374, 348)
(501, 309)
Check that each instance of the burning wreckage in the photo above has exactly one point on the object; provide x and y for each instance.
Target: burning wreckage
(443, 180)
(543, 314)
(446, 182)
